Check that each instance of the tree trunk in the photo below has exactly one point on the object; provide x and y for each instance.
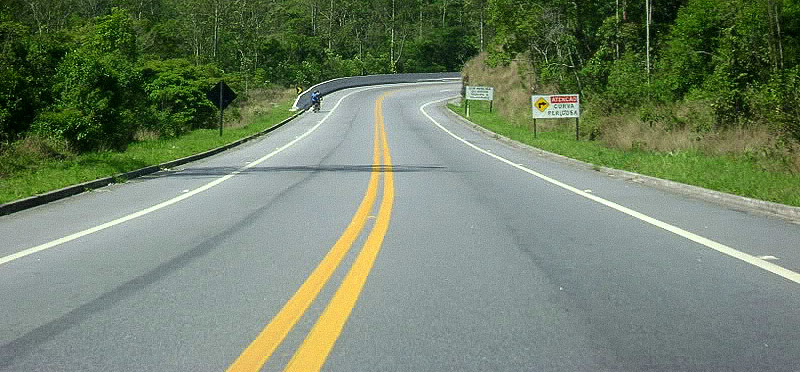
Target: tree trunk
(420, 18)
(482, 6)
(216, 30)
(775, 43)
(616, 32)
(444, 13)
(575, 71)
(313, 18)
(391, 42)
(330, 27)
(780, 37)
(648, 13)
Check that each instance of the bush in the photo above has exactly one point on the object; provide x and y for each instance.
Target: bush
(72, 125)
(777, 103)
(176, 95)
(102, 89)
(30, 151)
(13, 98)
(97, 89)
(627, 83)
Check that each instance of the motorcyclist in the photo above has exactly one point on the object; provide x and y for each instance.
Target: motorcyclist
(316, 100)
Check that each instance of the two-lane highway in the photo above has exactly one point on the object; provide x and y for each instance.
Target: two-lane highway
(383, 234)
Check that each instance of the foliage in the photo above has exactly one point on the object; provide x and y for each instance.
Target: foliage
(34, 165)
(627, 88)
(740, 57)
(27, 65)
(176, 94)
(95, 73)
(13, 80)
(778, 102)
(96, 86)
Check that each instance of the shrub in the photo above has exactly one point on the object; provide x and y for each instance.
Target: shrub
(627, 83)
(97, 89)
(72, 125)
(29, 151)
(102, 89)
(176, 95)
(777, 103)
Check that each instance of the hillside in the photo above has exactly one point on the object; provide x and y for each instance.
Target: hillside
(750, 161)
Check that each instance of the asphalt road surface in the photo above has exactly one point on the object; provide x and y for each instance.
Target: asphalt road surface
(383, 234)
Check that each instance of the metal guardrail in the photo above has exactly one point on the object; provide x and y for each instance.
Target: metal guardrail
(303, 100)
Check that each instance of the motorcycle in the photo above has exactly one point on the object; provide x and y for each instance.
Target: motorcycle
(316, 106)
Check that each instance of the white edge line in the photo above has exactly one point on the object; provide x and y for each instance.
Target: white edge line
(719, 247)
(92, 230)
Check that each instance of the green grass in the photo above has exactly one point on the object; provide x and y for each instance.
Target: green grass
(55, 174)
(731, 174)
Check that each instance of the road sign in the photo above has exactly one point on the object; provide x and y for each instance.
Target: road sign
(480, 93)
(221, 95)
(541, 104)
(556, 106)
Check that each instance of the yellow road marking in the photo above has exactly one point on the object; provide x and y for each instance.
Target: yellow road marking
(183, 196)
(259, 351)
(315, 349)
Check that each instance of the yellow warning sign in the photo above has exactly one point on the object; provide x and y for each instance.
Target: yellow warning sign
(541, 104)
(557, 106)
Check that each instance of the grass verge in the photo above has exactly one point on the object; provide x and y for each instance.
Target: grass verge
(731, 174)
(48, 175)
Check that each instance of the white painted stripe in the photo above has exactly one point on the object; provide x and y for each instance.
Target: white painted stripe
(186, 195)
(755, 261)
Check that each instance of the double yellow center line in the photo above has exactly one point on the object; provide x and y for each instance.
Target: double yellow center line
(311, 354)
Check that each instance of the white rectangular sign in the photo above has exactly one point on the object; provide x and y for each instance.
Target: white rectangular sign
(480, 93)
(556, 106)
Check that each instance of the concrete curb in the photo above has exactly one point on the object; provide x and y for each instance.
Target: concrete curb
(732, 201)
(37, 200)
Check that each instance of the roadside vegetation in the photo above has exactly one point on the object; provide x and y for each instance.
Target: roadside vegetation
(717, 78)
(93, 88)
(705, 92)
(35, 165)
(97, 73)
(755, 175)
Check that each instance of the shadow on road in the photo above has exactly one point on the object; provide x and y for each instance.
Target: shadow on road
(222, 171)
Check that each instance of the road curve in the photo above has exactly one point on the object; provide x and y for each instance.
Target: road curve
(383, 234)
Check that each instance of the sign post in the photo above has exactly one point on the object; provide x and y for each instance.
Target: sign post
(475, 93)
(221, 95)
(558, 106)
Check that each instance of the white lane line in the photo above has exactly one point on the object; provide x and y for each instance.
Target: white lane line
(186, 195)
(753, 260)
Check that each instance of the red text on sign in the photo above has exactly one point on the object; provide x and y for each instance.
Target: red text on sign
(564, 99)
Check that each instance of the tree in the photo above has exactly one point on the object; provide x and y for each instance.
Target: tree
(97, 88)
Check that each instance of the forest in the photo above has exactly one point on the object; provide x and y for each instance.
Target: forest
(705, 68)
(94, 73)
